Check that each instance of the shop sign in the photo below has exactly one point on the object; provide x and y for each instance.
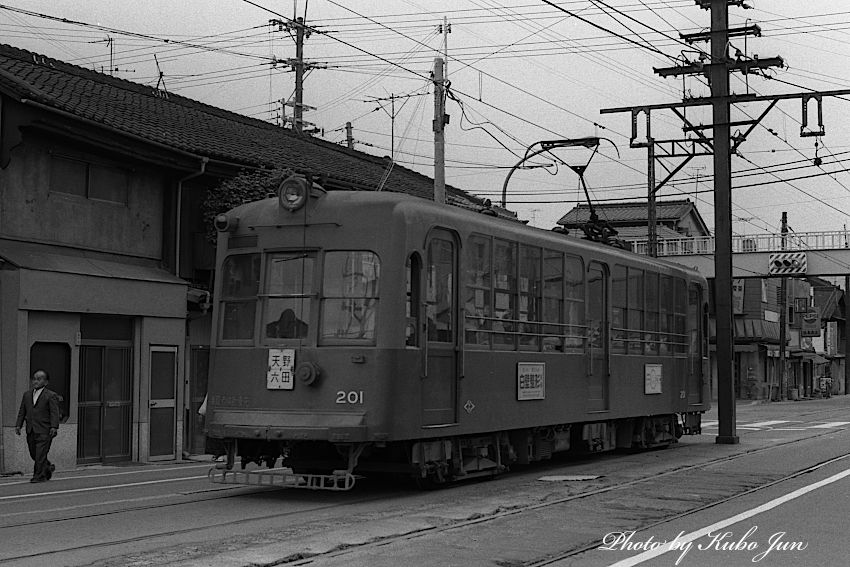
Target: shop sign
(810, 324)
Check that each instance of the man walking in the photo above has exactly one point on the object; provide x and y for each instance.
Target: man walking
(40, 409)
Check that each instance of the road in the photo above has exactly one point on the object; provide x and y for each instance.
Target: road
(558, 513)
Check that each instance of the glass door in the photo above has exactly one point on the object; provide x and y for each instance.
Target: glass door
(439, 383)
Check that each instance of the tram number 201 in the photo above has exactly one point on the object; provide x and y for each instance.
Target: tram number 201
(350, 397)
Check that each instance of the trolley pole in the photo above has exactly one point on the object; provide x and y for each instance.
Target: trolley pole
(439, 133)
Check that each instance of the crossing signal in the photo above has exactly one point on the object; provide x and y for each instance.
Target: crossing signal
(787, 264)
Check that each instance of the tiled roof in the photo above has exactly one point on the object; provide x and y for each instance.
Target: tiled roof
(627, 213)
(190, 126)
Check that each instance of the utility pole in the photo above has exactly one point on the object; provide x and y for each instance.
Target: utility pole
(719, 77)
(299, 75)
(783, 319)
(651, 217)
(349, 138)
(392, 113)
(439, 132)
(301, 32)
(445, 29)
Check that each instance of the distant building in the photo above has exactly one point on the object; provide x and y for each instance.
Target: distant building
(674, 219)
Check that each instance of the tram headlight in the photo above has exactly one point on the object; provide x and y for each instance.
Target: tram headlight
(293, 192)
(225, 223)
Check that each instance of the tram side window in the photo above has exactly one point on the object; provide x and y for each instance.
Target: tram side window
(693, 322)
(619, 309)
(680, 317)
(411, 305)
(350, 287)
(574, 297)
(651, 336)
(240, 285)
(530, 287)
(636, 322)
(553, 301)
(505, 295)
(288, 289)
(665, 316)
(477, 317)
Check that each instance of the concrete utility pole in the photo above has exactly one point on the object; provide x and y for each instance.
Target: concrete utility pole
(439, 132)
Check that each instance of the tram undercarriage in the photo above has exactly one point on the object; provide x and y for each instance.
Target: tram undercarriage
(320, 465)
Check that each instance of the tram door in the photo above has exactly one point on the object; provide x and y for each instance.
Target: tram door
(696, 344)
(597, 337)
(439, 382)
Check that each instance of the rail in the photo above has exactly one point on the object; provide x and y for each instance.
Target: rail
(794, 241)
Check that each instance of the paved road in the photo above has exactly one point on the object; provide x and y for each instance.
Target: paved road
(170, 515)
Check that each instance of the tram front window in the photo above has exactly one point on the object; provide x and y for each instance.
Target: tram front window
(289, 284)
(240, 284)
(350, 295)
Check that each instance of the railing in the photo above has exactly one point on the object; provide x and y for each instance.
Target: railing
(796, 241)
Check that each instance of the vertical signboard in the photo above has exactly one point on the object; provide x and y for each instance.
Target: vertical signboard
(280, 373)
(738, 296)
(531, 381)
(810, 324)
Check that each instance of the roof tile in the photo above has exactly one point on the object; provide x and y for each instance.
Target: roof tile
(194, 127)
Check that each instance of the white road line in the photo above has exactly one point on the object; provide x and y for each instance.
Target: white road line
(69, 474)
(767, 423)
(653, 553)
(830, 425)
(789, 428)
(95, 488)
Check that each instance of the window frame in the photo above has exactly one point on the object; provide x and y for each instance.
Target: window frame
(224, 299)
(321, 297)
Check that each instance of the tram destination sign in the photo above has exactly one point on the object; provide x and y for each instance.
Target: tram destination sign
(280, 374)
(531, 381)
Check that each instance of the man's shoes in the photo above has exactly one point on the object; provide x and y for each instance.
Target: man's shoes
(38, 479)
(48, 474)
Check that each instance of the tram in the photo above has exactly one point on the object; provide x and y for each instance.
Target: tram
(362, 332)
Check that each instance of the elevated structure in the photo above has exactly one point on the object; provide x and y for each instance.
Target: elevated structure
(755, 256)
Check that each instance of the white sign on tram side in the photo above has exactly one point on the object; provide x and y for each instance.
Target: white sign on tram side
(280, 375)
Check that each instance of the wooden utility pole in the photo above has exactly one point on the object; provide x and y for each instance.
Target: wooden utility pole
(349, 138)
(439, 132)
(783, 320)
(301, 32)
(719, 77)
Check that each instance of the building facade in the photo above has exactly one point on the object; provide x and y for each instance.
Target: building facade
(105, 268)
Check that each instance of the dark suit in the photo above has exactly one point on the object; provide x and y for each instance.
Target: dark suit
(41, 418)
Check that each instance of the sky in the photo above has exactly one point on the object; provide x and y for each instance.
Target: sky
(520, 72)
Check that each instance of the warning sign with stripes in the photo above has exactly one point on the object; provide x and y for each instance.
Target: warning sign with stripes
(787, 263)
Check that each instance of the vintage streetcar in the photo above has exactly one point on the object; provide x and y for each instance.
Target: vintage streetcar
(364, 332)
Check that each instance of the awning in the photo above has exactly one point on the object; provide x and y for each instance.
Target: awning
(53, 278)
(70, 261)
(749, 330)
(813, 356)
